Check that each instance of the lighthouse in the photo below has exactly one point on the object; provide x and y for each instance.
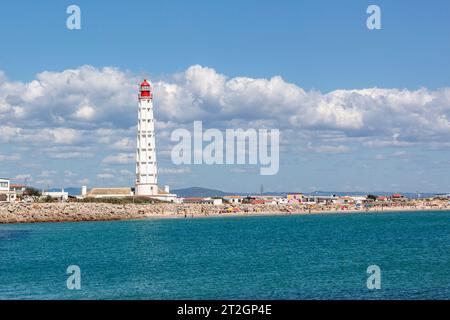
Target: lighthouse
(146, 169)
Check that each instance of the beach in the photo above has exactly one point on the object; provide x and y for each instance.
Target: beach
(74, 212)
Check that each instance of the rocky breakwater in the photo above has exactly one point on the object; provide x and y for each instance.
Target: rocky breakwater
(59, 212)
(73, 211)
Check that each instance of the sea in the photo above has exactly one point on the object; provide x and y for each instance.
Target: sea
(328, 256)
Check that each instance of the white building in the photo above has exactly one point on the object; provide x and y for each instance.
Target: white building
(5, 193)
(233, 199)
(19, 189)
(208, 200)
(165, 195)
(99, 193)
(4, 185)
(59, 195)
(281, 200)
(83, 191)
(359, 199)
(146, 169)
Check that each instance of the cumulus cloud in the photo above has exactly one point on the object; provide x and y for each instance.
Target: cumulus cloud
(334, 121)
(84, 113)
(87, 104)
(374, 114)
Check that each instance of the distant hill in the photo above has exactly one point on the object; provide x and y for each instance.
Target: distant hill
(198, 192)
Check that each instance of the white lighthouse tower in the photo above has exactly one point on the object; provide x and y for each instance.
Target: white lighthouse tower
(146, 170)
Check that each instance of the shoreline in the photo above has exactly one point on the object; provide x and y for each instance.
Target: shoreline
(20, 213)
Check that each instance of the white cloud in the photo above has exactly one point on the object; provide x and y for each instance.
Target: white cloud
(47, 173)
(400, 153)
(174, 170)
(124, 144)
(84, 181)
(69, 174)
(373, 117)
(12, 157)
(88, 105)
(244, 170)
(23, 177)
(45, 182)
(121, 158)
(84, 113)
(331, 149)
(105, 176)
(70, 155)
(125, 172)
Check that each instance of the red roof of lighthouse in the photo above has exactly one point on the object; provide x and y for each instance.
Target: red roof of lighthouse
(145, 90)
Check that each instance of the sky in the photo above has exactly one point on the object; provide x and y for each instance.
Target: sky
(357, 109)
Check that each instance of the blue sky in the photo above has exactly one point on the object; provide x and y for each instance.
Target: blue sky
(317, 46)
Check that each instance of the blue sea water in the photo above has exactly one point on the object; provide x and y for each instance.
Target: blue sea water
(283, 257)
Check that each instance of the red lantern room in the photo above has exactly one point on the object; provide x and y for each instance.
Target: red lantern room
(146, 90)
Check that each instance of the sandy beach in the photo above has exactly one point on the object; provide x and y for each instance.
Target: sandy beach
(73, 212)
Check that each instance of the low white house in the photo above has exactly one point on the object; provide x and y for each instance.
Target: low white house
(4, 185)
(166, 196)
(208, 200)
(6, 195)
(99, 193)
(281, 200)
(233, 199)
(19, 189)
(359, 199)
(59, 195)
